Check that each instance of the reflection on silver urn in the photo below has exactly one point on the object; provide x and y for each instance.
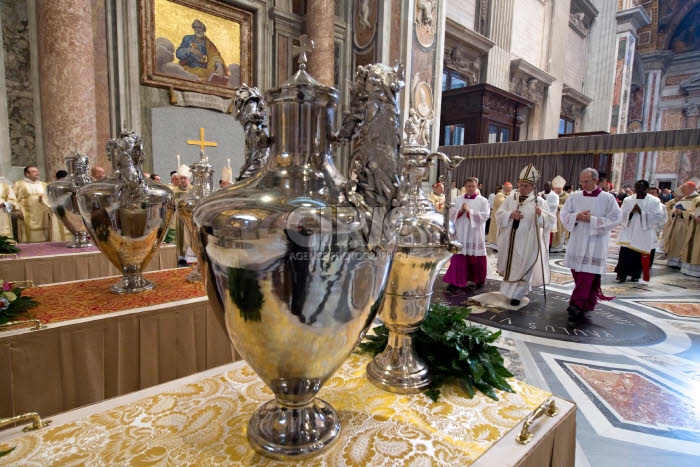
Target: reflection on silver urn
(297, 256)
(62, 198)
(202, 179)
(423, 246)
(126, 214)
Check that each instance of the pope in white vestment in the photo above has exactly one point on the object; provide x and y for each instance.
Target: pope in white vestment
(589, 215)
(641, 214)
(468, 268)
(522, 249)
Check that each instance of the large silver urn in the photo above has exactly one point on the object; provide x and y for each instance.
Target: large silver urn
(423, 246)
(126, 214)
(202, 179)
(297, 256)
(62, 198)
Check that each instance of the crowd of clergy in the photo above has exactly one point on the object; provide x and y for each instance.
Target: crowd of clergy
(523, 226)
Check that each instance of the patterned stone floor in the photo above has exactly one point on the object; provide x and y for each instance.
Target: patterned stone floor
(638, 397)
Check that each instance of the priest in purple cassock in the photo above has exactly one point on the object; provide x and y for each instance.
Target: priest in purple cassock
(590, 215)
(468, 268)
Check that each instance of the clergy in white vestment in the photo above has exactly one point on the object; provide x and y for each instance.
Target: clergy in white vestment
(8, 204)
(681, 217)
(468, 268)
(523, 259)
(34, 213)
(641, 215)
(590, 215)
(559, 235)
(552, 200)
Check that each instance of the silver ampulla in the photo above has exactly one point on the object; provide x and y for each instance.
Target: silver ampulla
(423, 246)
(61, 195)
(297, 256)
(127, 215)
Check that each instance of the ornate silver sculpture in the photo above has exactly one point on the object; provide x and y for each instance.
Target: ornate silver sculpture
(296, 267)
(126, 214)
(423, 246)
(251, 112)
(202, 173)
(62, 198)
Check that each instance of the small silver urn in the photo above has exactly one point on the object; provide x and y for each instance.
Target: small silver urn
(423, 246)
(62, 198)
(202, 179)
(296, 256)
(127, 215)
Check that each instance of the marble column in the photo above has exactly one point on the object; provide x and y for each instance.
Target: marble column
(66, 81)
(320, 19)
(656, 63)
(498, 62)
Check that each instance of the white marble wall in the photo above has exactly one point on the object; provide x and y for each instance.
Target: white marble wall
(576, 58)
(529, 27)
(462, 12)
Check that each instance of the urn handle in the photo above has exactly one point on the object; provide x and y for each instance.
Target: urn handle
(453, 246)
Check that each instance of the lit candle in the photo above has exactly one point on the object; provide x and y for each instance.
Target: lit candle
(228, 162)
(178, 161)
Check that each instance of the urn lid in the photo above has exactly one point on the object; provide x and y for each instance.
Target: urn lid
(302, 87)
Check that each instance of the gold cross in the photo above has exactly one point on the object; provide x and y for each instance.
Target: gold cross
(201, 143)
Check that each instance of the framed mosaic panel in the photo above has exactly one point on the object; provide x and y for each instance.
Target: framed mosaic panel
(195, 45)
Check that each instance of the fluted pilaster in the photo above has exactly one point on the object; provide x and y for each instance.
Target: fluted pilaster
(498, 64)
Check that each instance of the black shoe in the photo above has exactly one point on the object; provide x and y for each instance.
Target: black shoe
(573, 309)
(479, 286)
(514, 302)
(452, 288)
(634, 279)
(181, 263)
(621, 278)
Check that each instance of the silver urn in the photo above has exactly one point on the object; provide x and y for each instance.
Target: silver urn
(202, 179)
(126, 214)
(423, 246)
(61, 195)
(297, 257)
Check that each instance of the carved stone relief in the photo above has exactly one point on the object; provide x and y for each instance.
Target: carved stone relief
(528, 87)
(421, 113)
(455, 59)
(577, 21)
(426, 21)
(691, 110)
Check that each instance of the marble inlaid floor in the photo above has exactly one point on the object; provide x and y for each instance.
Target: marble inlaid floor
(638, 405)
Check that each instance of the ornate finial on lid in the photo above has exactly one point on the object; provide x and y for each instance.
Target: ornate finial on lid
(305, 45)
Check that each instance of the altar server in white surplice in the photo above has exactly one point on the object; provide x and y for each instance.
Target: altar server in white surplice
(590, 215)
(471, 211)
(523, 258)
(641, 215)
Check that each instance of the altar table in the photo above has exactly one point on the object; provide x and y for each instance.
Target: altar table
(48, 263)
(99, 345)
(202, 420)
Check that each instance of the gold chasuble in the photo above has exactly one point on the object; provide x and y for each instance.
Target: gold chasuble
(36, 225)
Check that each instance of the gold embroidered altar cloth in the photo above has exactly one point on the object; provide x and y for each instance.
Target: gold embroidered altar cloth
(204, 423)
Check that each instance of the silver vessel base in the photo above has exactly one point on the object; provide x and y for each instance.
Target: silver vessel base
(398, 379)
(284, 432)
(195, 275)
(76, 244)
(132, 284)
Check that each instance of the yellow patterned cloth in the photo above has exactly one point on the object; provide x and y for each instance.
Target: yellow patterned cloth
(205, 423)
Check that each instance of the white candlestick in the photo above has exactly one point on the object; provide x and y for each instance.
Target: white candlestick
(228, 162)
(178, 161)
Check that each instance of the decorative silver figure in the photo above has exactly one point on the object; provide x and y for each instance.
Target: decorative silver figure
(202, 174)
(251, 112)
(297, 269)
(62, 198)
(126, 214)
(423, 246)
